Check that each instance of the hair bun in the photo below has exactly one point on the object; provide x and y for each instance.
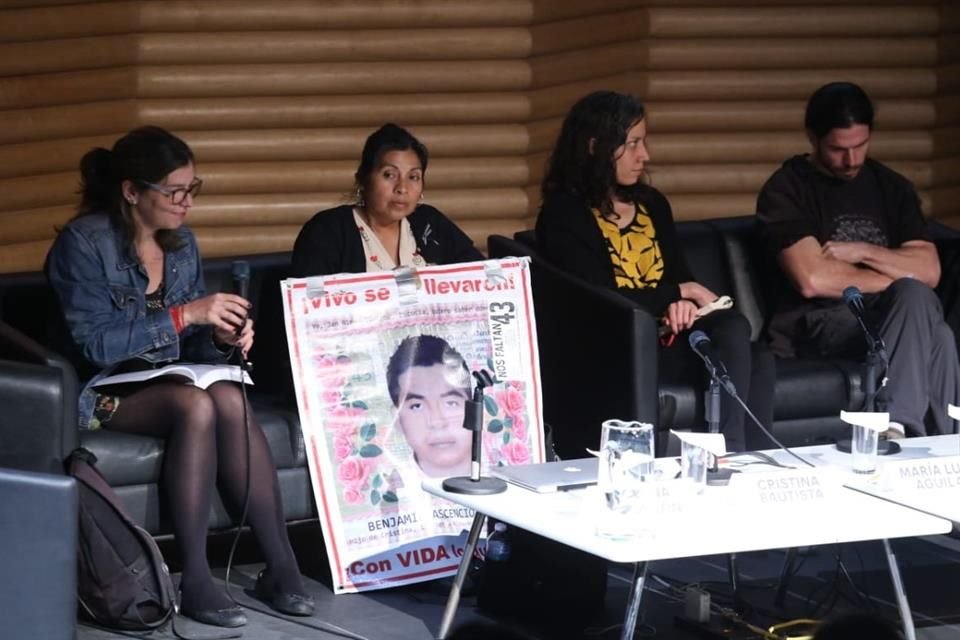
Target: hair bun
(96, 165)
(96, 172)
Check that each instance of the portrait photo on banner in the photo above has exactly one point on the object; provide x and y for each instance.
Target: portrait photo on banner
(382, 382)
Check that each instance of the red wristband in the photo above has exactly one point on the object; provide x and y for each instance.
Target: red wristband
(176, 314)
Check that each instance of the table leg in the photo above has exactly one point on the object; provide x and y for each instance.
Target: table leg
(785, 571)
(454, 598)
(633, 604)
(906, 618)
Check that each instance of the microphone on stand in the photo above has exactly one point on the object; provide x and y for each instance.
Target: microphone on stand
(854, 301)
(474, 484)
(874, 366)
(701, 345)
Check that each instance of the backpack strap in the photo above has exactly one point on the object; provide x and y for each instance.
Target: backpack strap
(80, 465)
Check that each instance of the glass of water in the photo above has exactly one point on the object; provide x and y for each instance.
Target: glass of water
(626, 462)
(693, 465)
(863, 449)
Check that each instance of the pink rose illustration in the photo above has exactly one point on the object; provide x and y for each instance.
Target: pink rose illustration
(333, 371)
(354, 471)
(511, 400)
(342, 447)
(519, 428)
(324, 361)
(352, 496)
(515, 452)
(331, 396)
(343, 418)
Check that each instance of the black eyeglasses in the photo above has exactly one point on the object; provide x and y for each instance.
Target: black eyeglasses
(178, 194)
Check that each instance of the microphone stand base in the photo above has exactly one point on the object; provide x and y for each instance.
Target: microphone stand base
(468, 486)
(884, 447)
(719, 477)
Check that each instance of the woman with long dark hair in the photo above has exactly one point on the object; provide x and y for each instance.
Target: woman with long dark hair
(600, 221)
(387, 225)
(129, 280)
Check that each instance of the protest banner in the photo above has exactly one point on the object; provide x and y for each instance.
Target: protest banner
(382, 366)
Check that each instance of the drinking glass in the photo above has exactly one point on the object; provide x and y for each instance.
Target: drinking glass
(626, 462)
(693, 465)
(863, 449)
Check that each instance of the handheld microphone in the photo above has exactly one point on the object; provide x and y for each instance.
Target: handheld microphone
(241, 278)
(854, 301)
(701, 345)
(241, 283)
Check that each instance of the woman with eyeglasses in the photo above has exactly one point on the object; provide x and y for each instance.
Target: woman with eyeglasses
(128, 277)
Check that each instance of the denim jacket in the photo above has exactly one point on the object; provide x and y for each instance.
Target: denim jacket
(101, 287)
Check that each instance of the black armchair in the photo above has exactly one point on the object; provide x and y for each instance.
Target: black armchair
(38, 393)
(595, 347)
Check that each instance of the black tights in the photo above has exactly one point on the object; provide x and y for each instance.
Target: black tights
(206, 443)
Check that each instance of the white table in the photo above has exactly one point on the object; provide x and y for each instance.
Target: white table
(749, 515)
(924, 475)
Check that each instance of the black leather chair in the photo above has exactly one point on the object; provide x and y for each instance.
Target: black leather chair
(594, 353)
(38, 391)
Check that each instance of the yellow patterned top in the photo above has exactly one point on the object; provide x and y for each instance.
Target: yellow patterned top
(634, 250)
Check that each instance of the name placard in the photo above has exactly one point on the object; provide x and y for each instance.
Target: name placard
(785, 488)
(926, 475)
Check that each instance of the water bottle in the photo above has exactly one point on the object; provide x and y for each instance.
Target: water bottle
(498, 546)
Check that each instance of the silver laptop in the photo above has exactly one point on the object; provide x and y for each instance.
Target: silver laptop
(562, 475)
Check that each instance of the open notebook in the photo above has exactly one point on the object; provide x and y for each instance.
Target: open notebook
(561, 475)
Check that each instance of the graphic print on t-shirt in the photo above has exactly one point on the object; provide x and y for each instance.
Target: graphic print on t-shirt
(858, 228)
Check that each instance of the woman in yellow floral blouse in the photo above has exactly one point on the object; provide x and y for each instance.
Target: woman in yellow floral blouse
(599, 221)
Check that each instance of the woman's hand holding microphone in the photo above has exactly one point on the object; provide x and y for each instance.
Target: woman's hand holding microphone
(228, 314)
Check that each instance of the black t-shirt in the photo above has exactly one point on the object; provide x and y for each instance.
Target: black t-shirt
(879, 206)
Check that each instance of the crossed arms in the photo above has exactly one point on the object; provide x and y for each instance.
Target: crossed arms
(824, 271)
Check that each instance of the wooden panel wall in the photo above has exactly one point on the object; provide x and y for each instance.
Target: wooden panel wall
(726, 84)
(277, 97)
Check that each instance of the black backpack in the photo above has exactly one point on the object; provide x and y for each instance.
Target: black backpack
(122, 580)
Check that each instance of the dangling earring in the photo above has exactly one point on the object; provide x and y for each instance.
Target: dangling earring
(359, 198)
